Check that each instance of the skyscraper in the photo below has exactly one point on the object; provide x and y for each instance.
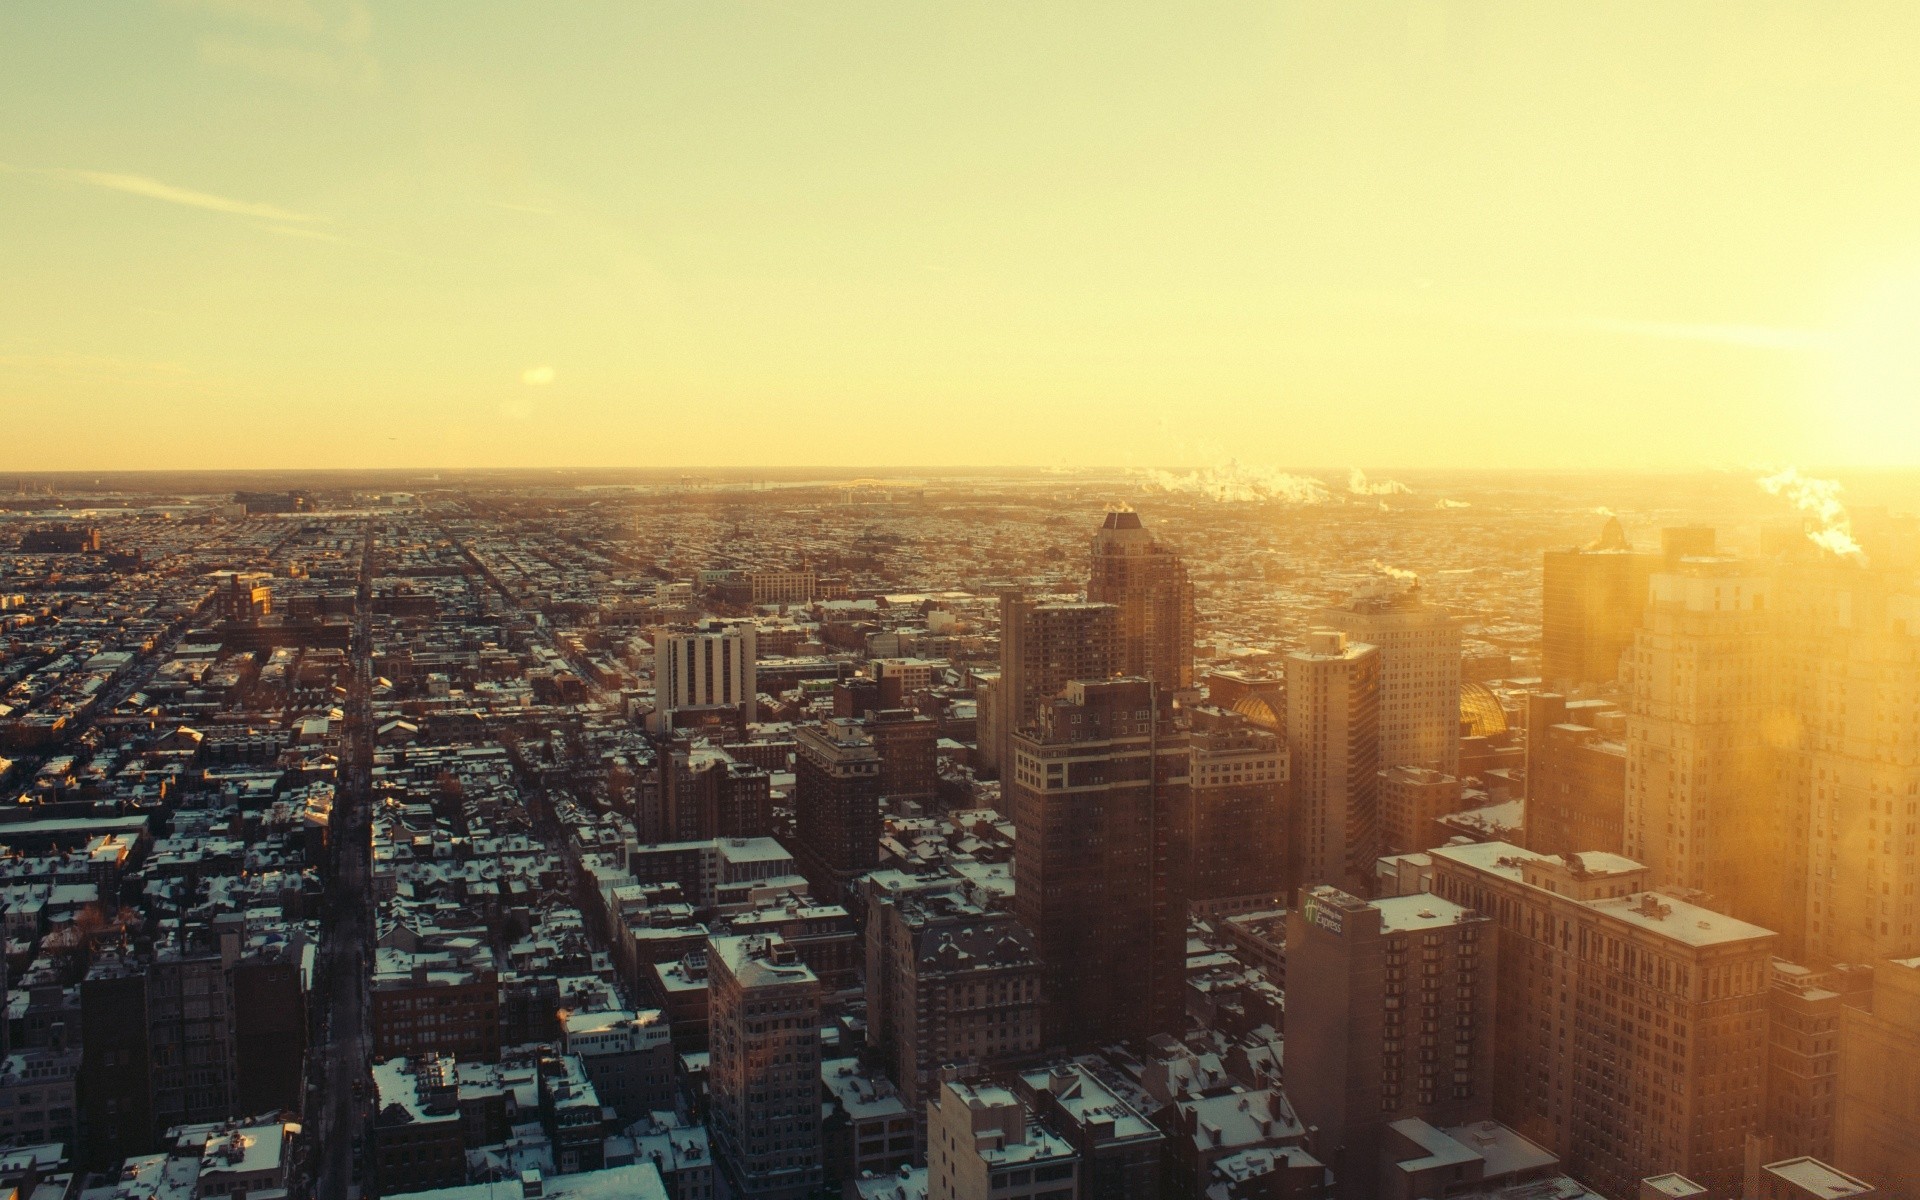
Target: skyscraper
(1630, 1026)
(1592, 599)
(1148, 583)
(836, 805)
(948, 982)
(1701, 801)
(1230, 836)
(1333, 742)
(1095, 785)
(764, 1070)
(1419, 650)
(1043, 647)
(1390, 1016)
(1847, 717)
(1576, 779)
(704, 672)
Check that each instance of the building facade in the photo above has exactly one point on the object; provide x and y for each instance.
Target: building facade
(1419, 651)
(1095, 786)
(1333, 743)
(1148, 583)
(763, 1072)
(1389, 1017)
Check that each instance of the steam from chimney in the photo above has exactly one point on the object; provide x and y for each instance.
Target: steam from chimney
(1232, 483)
(1819, 499)
(1359, 485)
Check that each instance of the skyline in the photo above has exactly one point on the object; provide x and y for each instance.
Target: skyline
(1420, 235)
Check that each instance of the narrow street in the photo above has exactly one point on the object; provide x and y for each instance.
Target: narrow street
(341, 1103)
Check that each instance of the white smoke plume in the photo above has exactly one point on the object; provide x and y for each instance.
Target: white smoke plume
(1819, 499)
(1231, 483)
(1604, 511)
(1360, 485)
(1393, 572)
(1454, 504)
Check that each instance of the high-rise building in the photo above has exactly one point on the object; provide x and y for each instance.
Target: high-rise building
(836, 805)
(710, 794)
(1631, 1027)
(1803, 1062)
(704, 673)
(1044, 645)
(190, 1036)
(1412, 801)
(1333, 743)
(1148, 583)
(1879, 1108)
(1592, 600)
(1389, 1017)
(948, 983)
(1576, 780)
(764, 1067)
(1419, 651)
(115, 1090)
(1095, 786)
(983, 1144)
(1847, 715)
(1702, 798)
(1230, 838)
(905, 741)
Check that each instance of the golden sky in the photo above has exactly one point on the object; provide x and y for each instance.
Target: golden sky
(1418, 234)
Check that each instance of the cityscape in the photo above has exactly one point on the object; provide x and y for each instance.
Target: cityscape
(959, 600)
(1050, 834)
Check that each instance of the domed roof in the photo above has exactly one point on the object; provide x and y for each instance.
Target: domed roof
(1256, 708)
(1481, 710)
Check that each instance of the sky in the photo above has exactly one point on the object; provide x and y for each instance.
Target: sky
(328, 233)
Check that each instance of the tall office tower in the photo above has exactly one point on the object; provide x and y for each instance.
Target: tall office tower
(1230, 838)
(836, 805)
(190, 1036)
(1043, 647)
(114, 1089)
(1333, 742)
(948, 982)
(270, 1027)
(1803, 1061)
(1847, 655)
(1630, 1027)
(764, 1067)
(1419, 649)
(1576, 780)
(1701, 806)
(1590, 607)
(710, 794)
(703, 673)
(1879, 1107)
(1149, 584)
(1412, 801)
(905, 741)
(1095, 784)
(982, 1144)
(1389, 1017)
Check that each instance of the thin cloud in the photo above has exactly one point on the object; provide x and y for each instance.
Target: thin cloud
(154, 189)
(537, 376)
